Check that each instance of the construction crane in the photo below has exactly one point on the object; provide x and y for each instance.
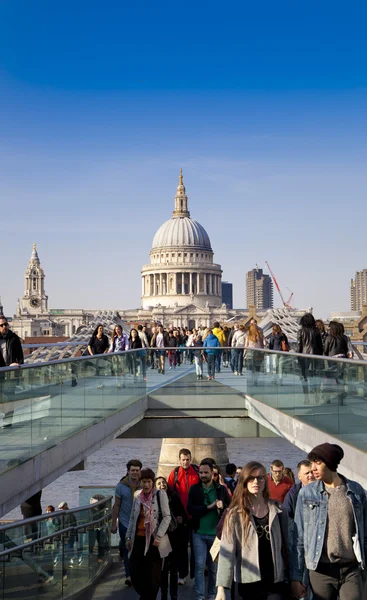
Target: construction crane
(285, 304)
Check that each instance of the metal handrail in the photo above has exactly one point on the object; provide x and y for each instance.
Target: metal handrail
(265, 350)
(46, 516)
(32, 520)
(55, 534)
(57, 344)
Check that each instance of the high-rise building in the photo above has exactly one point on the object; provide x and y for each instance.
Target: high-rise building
(358, 290)
(227, 294)
(259, 289)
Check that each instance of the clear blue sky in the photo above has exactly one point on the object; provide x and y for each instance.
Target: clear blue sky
(262, 104)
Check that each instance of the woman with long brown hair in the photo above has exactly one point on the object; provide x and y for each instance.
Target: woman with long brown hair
(253, 546)
(254, 339)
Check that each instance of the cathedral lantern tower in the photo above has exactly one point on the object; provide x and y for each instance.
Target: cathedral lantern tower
(34, 301)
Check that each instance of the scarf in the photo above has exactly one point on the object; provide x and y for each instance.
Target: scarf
(146, 502)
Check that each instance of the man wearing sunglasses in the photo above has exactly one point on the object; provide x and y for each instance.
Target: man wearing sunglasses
(11, 355)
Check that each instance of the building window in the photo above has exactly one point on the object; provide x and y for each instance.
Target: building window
(179, 254)
(197, 256)
(185, 254)
(167, 255)
(191, 255)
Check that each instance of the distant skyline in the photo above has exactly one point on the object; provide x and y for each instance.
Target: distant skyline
(264, 108)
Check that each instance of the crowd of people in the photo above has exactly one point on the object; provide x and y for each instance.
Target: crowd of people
(222, 346)
(270, 536)
(217, 346)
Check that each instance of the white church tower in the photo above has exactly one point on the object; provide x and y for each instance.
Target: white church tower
(34, 301)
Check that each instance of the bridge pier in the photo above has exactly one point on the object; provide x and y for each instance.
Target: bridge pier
(200, 448)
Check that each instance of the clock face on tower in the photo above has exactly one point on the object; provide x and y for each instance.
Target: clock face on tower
(35, 302)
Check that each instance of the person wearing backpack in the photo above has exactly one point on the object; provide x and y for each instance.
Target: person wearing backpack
(171, 564)
(207, 501)
(180, 480)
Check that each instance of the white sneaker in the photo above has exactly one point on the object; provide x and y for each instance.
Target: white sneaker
(181, 582)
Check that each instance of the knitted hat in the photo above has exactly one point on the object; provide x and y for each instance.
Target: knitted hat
(330, 454)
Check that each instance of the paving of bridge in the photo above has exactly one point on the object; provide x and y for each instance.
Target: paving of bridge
(112, 587)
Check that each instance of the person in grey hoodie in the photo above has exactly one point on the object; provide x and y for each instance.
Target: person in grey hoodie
(124, 496)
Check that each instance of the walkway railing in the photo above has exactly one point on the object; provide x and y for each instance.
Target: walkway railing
(55, 555)
(328, 393)
(43, 404)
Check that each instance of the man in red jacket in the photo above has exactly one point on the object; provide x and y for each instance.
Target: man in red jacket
(279, 484)
(180, 481)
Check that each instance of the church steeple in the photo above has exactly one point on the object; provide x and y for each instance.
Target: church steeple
(35, 300)
(181, 209)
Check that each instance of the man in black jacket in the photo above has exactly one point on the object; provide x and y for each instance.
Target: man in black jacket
(11, 355)
(305, 476)
(207, 501)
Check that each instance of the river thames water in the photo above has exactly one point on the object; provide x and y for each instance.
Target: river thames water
(108, 465)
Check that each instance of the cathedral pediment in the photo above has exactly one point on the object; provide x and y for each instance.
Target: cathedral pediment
(190, 309)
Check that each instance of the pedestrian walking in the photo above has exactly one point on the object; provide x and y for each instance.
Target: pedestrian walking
(207, 501)
(121, 511)
(278, 483)
(11, 355)
(211, 347)
(180, 481)
(253, 546)
(170, 571)
(330, 533)
(146, 537)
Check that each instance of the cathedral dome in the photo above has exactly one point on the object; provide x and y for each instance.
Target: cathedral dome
(181, 231)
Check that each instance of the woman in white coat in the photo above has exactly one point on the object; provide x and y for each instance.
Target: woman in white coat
(146, 536)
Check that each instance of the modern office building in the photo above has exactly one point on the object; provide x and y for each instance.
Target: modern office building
(358, 290)
(259, 289)
(227, 294)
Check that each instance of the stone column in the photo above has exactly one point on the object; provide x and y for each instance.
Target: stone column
(210, 284)
(205, 283)
(190, 283)
(143, 286)
(182, 283)
(215, 448)
(154, 283)
(175, 283)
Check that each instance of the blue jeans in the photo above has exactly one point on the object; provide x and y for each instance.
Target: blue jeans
(211, 364)
(123, 552)
(233, 354)
(218, 359)
(202, 545)
(238, 360)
